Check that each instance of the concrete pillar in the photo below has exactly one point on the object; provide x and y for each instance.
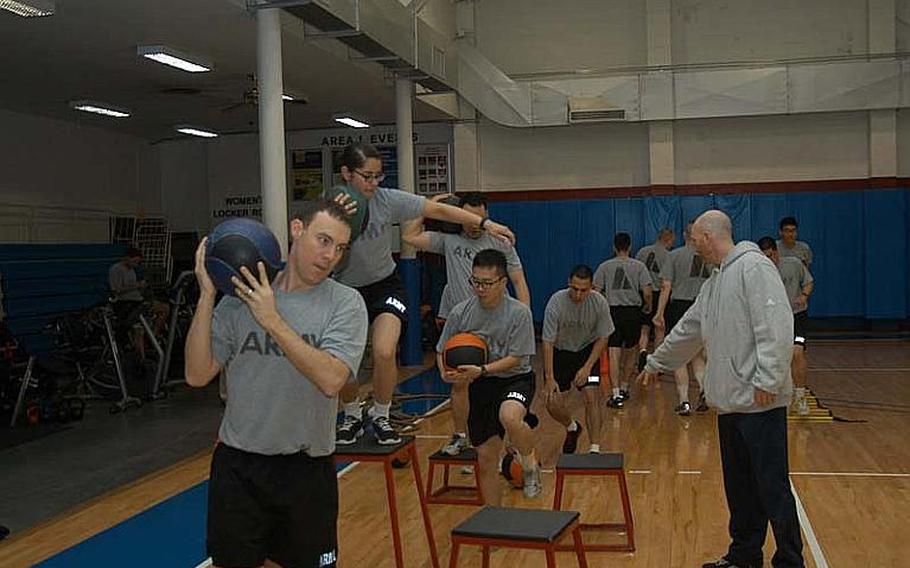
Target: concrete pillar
(273, 172)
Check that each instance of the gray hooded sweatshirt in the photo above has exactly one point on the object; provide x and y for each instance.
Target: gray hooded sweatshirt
(743, 320)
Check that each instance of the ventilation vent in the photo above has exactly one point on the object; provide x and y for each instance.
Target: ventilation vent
(593, 109)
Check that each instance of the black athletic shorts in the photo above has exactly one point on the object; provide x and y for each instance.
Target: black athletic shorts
(388, 296)
(676, 309)
(567, 363)
(627, 323)
(485, 397)
(800, 323)
(647, 319)
(283, 507)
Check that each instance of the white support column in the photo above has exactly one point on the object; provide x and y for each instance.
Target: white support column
(404, 135)
(273, 173)
(660, 133)
(882, 123)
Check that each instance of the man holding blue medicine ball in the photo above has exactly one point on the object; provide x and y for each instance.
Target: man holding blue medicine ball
(288, 347)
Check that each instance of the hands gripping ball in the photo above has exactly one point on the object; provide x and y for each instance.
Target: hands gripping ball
(240, 242)
(464, 349)
(361, 217)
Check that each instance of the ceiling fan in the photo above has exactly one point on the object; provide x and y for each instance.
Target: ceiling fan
(250, 97)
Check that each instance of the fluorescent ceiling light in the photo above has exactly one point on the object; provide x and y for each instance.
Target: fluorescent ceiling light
(100, 108)
(167, 56)
(30, 9)
(345, 119)
(193, 131)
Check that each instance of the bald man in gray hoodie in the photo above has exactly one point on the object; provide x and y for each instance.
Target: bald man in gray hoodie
(742, 319)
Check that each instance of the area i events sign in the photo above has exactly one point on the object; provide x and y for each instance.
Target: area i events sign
(239, 206)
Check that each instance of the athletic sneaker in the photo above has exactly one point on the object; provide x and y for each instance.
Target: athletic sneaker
(642, 360)
(532, 485)
(615, 402)
(802, 407)
(571, 443)
(683, 409)
(386, 435)
(624, 395)
(351, 429)
(456, 445)
(702, 403)
(724, 563)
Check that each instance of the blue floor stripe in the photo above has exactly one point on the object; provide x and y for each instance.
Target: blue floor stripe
(172, 533)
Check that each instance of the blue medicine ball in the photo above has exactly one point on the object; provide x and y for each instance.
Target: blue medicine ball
(240, 242)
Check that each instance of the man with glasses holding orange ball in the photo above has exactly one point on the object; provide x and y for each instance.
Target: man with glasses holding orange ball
(459, 251)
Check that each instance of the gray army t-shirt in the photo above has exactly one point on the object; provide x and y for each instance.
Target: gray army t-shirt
(271, 407)
(655, 257)
(120, 276)
(459, 251)
(572, 327)
(370, 258)
(622, 280)
(799, 250)
(508, 329)
(795, 276)
(686, 271)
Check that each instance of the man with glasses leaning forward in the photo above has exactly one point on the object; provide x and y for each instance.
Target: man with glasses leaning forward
(501, 391)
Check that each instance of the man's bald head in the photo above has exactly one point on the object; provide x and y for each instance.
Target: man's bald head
(715, 222)
(712, 235)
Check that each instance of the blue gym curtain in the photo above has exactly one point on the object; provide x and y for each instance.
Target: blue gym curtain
(859, 239)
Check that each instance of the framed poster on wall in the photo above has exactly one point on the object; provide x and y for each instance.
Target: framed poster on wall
(306, 174)
(433, 172)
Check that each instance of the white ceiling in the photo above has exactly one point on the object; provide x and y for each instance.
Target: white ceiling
(87, 50)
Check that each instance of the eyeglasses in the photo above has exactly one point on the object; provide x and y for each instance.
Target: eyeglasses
(368, 177)
(483, 284)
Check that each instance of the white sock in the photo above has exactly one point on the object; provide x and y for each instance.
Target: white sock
(595, 448)
(352, 409)
(461, 434)
(615, 392)
(683, 391)
(625, 387)
(380, 410)
(800, 393)
(572, 427)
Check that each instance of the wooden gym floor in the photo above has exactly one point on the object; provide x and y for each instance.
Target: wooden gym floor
(852, 480)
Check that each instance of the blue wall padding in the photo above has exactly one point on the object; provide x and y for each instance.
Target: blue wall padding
(859, 239)
(41, 282)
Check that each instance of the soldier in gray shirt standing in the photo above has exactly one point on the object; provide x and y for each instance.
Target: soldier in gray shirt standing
(626, 283)
(502, 390)
(459, 251)
(576, 328)
(371, 270)
(787, 245)
(287, 347)
(683, 278)
(799, 284)
(656, 257)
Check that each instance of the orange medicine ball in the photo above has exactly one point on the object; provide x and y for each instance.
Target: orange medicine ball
(464, 349)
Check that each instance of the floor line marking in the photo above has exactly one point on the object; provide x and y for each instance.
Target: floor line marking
(640, 471)
(814, 547)
(847, 474)
(432, 437)
(689, 472)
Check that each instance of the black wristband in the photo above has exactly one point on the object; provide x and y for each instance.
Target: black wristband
(483, 371)
(483, 222)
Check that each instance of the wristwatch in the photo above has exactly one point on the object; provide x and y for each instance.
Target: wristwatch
(483, 222)
(483, 371)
